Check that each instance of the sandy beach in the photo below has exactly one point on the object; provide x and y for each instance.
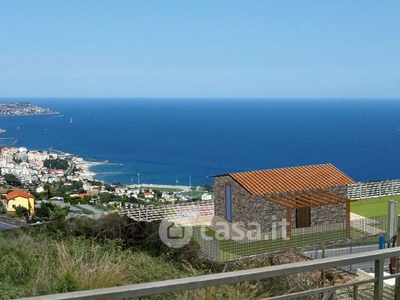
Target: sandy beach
(85, 166)
(89, 175)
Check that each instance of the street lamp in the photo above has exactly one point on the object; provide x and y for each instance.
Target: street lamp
(190, 186)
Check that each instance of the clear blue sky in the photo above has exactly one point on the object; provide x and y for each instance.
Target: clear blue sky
(173, 48)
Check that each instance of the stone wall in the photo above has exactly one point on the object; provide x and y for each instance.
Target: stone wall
(338, 190)
(249, 210)
(328, 214)
(246, 208)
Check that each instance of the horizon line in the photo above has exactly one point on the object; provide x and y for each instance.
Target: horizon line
(201, 98)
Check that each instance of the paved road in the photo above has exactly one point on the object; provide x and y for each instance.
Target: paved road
(4, 226)
(91, 208)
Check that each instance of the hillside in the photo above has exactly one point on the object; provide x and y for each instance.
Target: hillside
(85, 254)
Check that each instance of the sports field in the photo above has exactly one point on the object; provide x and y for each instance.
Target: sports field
(373, 207)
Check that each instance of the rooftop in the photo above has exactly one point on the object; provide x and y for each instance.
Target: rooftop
(18, 193)
(283, 180)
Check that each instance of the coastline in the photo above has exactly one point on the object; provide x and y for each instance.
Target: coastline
(24, 115)
(163, 186)
(86, 166)
(90, 175)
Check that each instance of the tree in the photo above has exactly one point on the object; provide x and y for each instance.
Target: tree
(108, 187)
(43, 211)
(22, 212)
(50, 211)
(56, 164)
(208, 187)
(157, 193)
(11, 179)
(77, 185)
(87, 198)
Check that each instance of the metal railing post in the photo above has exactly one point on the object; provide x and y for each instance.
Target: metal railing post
(396, 267)
(355, 292)
(378, 285)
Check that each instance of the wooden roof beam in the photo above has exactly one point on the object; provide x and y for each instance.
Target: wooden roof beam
(328, 197)
(320, 201)
(278, 201)
(293, 199)
(343, 198)
(311, 200)
(331, 199)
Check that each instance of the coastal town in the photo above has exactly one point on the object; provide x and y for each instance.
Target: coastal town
(66, 180)
(23, 109)
(199, 150)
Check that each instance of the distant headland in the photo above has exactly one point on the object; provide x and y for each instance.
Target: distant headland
(23, 109)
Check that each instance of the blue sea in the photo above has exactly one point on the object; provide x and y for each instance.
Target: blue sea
(183, 141)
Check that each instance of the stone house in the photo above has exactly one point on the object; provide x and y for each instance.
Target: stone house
(298, 198)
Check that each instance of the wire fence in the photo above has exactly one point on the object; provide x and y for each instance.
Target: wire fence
(218, 246)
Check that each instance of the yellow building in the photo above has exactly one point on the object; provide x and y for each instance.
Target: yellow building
(19, 198)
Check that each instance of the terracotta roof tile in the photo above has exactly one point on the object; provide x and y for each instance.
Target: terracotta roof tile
(291, 179)
(17, 193)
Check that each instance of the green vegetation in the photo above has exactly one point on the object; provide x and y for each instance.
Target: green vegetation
(12, 180)
(85, 254)
(373, 206)
(163, 189)
(208, 187)
(230, 249)
(59, 189)
(22, 212)
(50, 212)
(56, 164)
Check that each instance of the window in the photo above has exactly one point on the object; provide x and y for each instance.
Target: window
(228, 203)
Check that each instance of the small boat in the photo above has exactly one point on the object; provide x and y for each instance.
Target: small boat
(70, 120)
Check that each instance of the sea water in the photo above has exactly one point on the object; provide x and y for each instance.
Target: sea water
(184, 141)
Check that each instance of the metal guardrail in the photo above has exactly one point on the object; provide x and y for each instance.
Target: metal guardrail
(149, 213)
(189, 283)
(372, 189)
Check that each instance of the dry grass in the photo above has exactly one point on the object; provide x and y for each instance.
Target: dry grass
(75, 266)
(37, 266)
(43, 262)
(244, 290)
